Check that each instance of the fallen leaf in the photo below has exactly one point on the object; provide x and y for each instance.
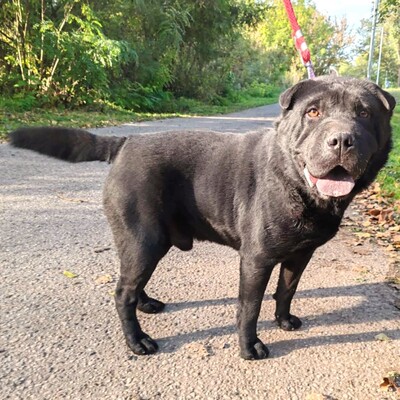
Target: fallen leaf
(382, 337)
(101, 249)
(363, 235)
(396, 239)
(391, 382)
(374, 211)
(71, 199)
(70, 274)
(102, 279)
(386, 216)
(383, 235)
(361, 251)
(385, 385)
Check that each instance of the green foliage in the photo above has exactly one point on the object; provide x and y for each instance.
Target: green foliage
(141, 54)
(389, 177)
(327, 41)
(389, 14)
(135, 97)
(58, 51)
(389, 21)
(261, 90)
(21, 102)
(389, 9)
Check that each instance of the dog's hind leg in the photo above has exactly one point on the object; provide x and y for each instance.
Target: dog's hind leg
(289, 276)
(139, 259)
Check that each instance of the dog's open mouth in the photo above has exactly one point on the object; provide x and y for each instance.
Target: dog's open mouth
(337, 183)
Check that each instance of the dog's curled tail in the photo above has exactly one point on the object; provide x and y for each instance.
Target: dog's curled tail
(73, 145)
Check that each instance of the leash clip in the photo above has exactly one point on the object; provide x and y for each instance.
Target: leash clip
(310, 70)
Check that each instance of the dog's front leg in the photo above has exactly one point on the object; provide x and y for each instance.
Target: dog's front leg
(254, 277)
(289, 277)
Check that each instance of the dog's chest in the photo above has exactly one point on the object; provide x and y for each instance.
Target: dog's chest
(303, 231)
(319, 228)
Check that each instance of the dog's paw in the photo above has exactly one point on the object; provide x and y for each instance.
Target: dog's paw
(143, 346)
(150, 306)
(289, 324)
(255, 351)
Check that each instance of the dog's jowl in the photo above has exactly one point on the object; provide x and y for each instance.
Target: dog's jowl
(273, 195)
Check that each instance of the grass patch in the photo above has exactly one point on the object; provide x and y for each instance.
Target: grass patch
(10, 120)
(389, 177)
(195, 107)
(15, 113)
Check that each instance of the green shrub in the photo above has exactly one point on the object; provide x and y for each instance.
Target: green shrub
(19, 102)
(257, 89)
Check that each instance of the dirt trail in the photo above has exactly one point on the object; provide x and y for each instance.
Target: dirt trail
(60, 336)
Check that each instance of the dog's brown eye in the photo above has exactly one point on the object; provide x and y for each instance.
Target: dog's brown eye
(363, 114)
(313, 113)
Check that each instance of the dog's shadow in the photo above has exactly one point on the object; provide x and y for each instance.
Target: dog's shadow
(370, 310)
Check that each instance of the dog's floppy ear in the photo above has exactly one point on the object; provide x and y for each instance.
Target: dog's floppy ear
(386, 98)
(288, 97)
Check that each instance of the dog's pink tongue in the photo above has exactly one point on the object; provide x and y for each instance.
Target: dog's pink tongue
(335, 184)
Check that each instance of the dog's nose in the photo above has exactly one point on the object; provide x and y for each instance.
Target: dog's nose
(341, 141)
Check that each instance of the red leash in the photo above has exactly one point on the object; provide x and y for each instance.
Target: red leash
(299, 39)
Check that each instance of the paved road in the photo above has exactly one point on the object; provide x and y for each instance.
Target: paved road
(60, 337)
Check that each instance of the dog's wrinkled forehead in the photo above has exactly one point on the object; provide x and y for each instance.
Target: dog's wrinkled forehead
(335, 91)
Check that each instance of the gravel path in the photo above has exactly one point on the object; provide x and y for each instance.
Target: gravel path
(60, 336)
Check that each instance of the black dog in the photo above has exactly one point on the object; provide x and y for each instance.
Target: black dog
(274, 196)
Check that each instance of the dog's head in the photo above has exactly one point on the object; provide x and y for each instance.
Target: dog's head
(338, 133)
